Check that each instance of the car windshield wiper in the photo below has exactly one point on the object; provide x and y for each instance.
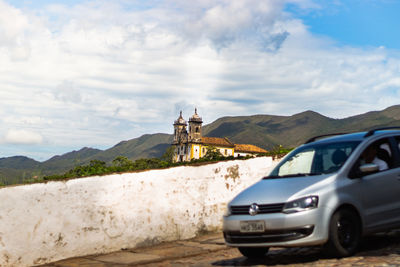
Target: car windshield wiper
(271, 177)
(291, 175)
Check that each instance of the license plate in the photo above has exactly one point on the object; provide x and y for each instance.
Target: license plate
(252, 226)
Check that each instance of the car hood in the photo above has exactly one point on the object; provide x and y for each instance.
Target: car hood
(279, 190)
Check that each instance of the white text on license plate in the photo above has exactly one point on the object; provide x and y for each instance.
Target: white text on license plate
(252, 226)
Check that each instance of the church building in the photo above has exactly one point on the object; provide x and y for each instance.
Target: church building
(191, 144)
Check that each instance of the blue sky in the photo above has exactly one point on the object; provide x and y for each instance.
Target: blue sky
(93, 73)
(355, 22)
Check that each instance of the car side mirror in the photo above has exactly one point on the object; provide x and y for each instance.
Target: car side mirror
(369, 168)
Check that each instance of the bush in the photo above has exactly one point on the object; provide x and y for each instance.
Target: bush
(277, 152)
(213, 154)
(168, 155)
(123, 164)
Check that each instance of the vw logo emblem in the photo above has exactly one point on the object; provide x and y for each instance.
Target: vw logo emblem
(254, 209)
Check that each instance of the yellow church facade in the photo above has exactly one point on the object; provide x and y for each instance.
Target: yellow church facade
(189, 143)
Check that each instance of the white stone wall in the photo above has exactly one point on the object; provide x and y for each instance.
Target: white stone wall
(242, 154)
(41, 223)
(229, 151)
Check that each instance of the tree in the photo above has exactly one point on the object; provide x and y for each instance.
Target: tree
(95, 167)
(168, 155)
(122, 163)
(213, 153)
(278, 151)
(143, 164)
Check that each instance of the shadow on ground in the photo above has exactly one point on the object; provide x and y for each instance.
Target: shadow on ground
(375, 245)
(381, 244)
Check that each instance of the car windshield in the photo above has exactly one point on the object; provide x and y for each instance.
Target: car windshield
(314, 160)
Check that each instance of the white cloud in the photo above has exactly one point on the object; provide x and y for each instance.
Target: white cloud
(67, 92)
(95, 73)
(13, 25)
(23, 137)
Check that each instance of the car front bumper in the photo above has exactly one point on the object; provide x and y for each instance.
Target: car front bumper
(281, 230)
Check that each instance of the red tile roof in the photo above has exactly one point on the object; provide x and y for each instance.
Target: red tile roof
(216, 141)
(224, 142)
(249, 148)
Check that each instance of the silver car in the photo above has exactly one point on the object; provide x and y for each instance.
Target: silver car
(330, 191)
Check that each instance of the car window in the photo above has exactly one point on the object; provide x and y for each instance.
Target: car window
(378, 153)
(334, 157)
(398, 141)
(301, 163)
(315, 159)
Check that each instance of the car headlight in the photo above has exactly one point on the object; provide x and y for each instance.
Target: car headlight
(301, 204)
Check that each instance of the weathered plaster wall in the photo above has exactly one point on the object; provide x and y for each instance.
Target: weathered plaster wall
(41, 223)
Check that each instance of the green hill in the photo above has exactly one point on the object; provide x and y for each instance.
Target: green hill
(268, 131)
(146, 146)
(58, 164)
(14, 170)
(265, 131)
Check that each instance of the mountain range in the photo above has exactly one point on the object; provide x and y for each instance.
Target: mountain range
(265, 131)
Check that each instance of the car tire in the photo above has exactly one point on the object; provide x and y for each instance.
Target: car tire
(253, 252)
(344, 234)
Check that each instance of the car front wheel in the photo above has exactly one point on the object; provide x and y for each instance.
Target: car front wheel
(344, 234)
(253, 252)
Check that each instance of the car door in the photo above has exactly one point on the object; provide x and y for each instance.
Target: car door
(381, 191)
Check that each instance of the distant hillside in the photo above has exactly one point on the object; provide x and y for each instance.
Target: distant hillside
(146, 146)
(265, 131)
(14, 170)
(67, 161)
(18, 162)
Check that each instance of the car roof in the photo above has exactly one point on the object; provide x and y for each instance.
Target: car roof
(359, 136)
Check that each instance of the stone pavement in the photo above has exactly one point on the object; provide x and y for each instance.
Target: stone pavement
(210, 250)
(202, 245)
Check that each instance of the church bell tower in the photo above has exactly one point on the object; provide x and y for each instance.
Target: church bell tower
(195, 123)
(180, 133)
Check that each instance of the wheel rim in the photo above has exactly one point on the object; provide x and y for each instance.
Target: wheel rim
(346, 232)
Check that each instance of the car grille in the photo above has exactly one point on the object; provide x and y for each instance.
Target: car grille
(264, 209)
(269, 236)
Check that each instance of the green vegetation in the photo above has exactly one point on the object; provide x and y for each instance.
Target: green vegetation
(268, 131)
(122, 164)
(265, 131)
(168, 155)
(119, 164)
(278, 152)
(213, 154)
